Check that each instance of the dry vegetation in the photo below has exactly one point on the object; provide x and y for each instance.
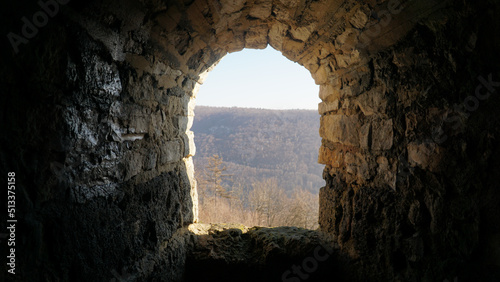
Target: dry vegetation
(263, 203)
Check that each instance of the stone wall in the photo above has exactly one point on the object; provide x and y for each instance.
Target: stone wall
(410, 154)
(101, 148)
(101, 101)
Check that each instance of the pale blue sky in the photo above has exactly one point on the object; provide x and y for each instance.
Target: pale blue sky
(259, 79)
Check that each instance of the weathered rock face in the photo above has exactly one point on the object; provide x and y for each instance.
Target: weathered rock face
(100, 101)
(410, 165)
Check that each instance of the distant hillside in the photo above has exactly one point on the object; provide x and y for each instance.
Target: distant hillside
(257, 144)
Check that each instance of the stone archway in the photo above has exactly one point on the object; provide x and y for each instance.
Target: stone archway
(404, 198)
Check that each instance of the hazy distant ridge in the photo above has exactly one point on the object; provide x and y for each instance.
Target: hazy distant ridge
(260, 143)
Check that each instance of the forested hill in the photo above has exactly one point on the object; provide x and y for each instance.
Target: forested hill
(256, 144)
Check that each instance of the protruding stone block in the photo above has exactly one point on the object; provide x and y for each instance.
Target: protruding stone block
(426, 155)
(256, 38)
(372, 102)
(346, 59)
(302, 33)
(382, 135)
(231, 6)
(333, 158)
(170, 151)
(189, 146)
(325, 107)
(341, 129)
(184, 123)
(261, 10)
(276, 34)
(320, 76)
(328, 92)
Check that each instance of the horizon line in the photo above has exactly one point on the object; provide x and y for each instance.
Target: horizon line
(253, 108)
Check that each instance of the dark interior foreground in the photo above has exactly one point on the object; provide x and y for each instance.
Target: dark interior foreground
(98, 102)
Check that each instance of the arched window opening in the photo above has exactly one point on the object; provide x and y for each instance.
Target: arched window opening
(256, 131)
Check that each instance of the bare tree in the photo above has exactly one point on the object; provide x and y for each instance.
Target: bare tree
(303, 209)
(267, 204)
(213, 194)
(215, 173)
(267, 201)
